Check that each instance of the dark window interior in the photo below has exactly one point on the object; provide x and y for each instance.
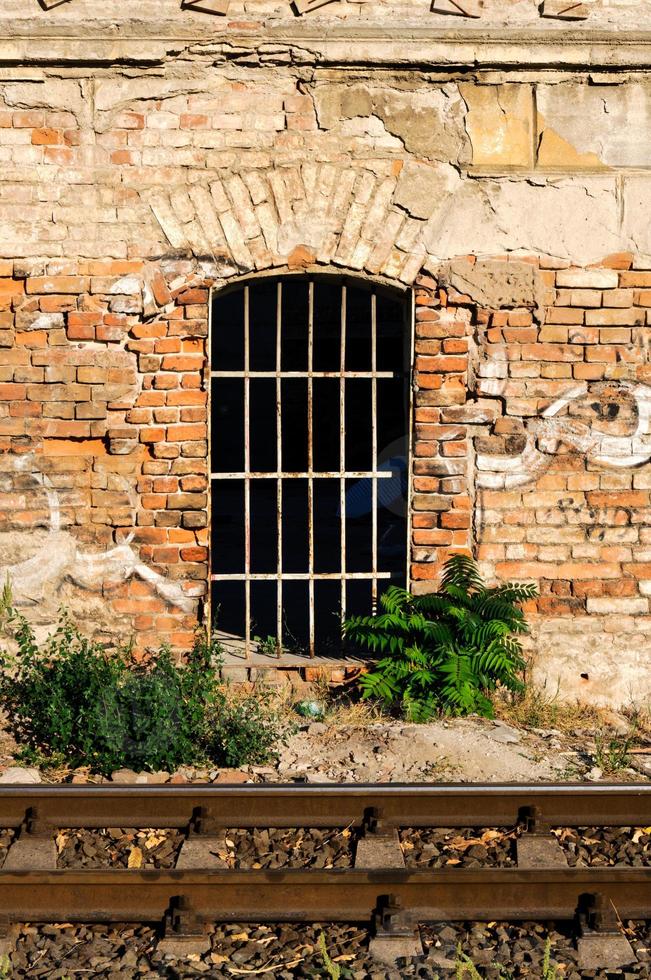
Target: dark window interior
(229, 549)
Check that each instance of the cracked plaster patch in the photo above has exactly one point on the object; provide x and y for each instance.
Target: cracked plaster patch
(422, 187)
(499, 124)
(429, 124)
(572, 218)
(607, 124)
(495, 285)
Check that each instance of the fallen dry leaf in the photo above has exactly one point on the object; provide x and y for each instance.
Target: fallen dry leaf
(135, 858)
(463, 843)
(491, 835)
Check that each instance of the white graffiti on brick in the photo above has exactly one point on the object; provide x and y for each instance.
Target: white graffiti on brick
(545, 435)
(60, 557)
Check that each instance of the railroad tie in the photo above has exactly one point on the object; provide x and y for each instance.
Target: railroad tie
(396, 935)
(537, 847)
(601, 940)
(204, 841)
(34, 848)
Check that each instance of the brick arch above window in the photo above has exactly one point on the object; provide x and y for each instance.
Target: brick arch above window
(372, 221)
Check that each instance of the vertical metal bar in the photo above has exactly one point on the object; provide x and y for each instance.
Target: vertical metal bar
(310, 457)
(247, 482)
(410, 345)
(208, 383)
(279, 466)
(374, 532)
(342, 448)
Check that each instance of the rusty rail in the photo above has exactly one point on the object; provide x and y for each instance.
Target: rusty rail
(312, 805)
(304, 896)
(378, 888)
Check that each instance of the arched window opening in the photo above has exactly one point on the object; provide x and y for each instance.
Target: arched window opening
(310, 422)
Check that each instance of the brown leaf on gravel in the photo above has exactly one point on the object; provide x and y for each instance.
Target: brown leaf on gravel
(463, 843)
(492, 835)
(135, 858)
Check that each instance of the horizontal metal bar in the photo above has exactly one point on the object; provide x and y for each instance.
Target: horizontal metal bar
(328, 805)
(298, 475)
(300, 576)
(334, 895)
(352, 375)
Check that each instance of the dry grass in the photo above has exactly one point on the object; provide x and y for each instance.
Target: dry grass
(639, 718)
(537, 708)
(342, 708)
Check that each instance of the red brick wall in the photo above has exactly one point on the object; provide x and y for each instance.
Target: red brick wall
(103, 402)
(536, 447)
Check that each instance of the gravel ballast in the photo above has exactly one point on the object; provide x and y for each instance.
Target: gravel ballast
(605, 846)
(461, 847)
(288, 848)
(117, 847)
(286, 952)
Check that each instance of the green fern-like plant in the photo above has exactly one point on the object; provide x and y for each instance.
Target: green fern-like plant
(447, 651)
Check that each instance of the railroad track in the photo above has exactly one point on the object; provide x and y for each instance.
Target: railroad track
(378, 889)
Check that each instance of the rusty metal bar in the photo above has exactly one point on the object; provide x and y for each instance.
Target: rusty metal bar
(297, 576)
(304, 374)
(328, 805)
(310, 463)
(294, 475)
(247, 468)
(335, 895)
(410, 346)
(279, 464)
(342, 448)
(374, 531)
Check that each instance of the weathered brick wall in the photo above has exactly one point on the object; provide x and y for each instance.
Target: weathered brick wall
(103, 430)
(502, 181)
(560, 464)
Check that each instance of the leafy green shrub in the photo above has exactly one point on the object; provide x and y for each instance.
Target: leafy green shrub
(245, 731)
(71, 700)
(445, 652)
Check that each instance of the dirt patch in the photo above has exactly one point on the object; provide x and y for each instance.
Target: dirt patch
(464, 749)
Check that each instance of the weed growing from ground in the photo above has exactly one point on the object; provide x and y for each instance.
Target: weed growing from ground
(465, 969)
(448, 651)
(333, 969)
(70, 701)
(245, 730)
(612, 754)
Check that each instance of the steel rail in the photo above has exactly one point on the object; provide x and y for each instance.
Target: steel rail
(313, 805)
(303, 896)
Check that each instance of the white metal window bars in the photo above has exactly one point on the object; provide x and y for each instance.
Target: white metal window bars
(374, 575)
